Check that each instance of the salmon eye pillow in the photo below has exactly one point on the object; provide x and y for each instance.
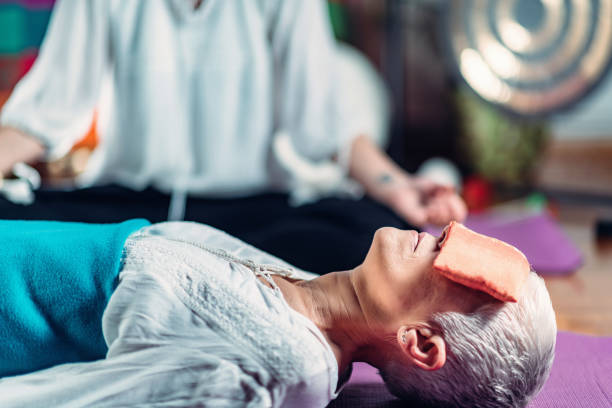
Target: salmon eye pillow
(482, 263)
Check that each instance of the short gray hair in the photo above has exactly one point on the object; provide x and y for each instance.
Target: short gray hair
(498, 356)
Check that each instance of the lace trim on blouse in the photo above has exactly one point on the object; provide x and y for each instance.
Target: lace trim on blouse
(213, 301)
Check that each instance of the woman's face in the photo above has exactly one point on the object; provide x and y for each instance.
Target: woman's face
(397, 284)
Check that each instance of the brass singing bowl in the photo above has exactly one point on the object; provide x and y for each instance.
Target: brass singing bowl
(532, 57)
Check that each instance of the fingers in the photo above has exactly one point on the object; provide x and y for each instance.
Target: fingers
(445, 208)
(458, 208)
(427, 203)
(407, 205)
(414, 214)
(438, 212)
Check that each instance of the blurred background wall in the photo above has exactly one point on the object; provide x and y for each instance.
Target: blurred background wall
(22, 27)
(590, 119)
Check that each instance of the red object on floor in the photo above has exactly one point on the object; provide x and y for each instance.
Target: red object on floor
(477, 193)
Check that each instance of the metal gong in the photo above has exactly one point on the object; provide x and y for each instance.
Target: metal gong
(532, 57)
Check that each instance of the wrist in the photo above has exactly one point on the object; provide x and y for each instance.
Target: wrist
(385, 185)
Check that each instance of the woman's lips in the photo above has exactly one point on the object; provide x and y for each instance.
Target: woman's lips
(416, 239)
(419, 239)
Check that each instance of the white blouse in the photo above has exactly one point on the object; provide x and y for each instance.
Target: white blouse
(190, 325)
(196, 96)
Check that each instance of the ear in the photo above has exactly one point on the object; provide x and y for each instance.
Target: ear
(422, 347)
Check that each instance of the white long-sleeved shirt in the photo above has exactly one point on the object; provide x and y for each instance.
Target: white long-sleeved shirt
(189, 324)
(196, 94)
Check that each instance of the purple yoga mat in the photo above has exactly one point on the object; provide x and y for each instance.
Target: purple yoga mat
(581, 377)
(539, 237)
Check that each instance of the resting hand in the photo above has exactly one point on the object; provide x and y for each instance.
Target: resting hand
(417, 200)
(16, 146)
(420, 201)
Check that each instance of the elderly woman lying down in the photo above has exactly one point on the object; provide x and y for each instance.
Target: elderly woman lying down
(194, 317)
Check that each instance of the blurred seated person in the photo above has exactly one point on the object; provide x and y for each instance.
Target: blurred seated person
(199, 318)
(199, 92)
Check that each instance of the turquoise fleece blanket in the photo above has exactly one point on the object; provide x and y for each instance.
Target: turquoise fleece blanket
(55, 280)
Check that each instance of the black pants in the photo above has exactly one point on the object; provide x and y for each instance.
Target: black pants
(332, 234)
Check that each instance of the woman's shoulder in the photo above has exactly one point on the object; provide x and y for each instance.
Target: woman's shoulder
(212, 238)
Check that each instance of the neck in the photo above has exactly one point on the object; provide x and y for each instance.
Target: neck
(331, 302)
